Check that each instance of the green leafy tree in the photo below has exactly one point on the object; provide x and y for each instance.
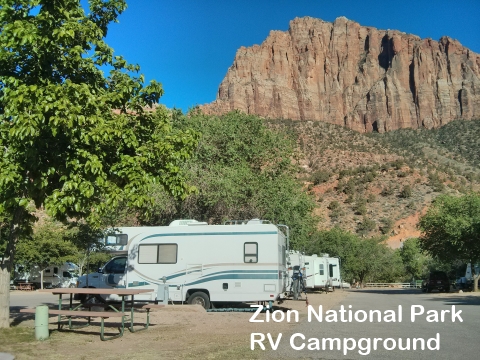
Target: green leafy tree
(391, 269)
(413, 259)
(47, 246)
(89, 249)
(242, 170)
(451, 229)
(361, 259)
(74, 141)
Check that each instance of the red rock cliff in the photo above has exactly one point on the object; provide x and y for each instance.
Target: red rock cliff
(360, 77)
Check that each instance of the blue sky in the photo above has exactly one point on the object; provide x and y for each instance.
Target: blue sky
(188, 45)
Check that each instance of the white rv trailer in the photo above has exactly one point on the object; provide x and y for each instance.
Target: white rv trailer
(199, 263)
(322, 272)
(64, 275)
(319, 272)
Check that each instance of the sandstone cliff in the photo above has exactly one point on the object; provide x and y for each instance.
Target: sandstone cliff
(359, 77)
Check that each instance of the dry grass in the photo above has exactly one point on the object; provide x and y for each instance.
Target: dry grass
(177, 332)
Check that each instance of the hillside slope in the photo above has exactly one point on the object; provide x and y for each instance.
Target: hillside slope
(381, 183)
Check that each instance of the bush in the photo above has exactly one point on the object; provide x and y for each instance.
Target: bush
(398, 164)
(360, 206)
(386, 226)
(320, 176)
(406, 192)
(350, 187)
(334, 205)
(366, 226)
(360, 209)
(369, 177)
(388, 190)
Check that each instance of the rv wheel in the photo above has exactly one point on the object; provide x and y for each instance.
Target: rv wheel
(199, 298)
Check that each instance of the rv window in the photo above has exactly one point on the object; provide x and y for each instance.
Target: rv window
(322, 271)
(331, 269)
(147, 254)
(157, 254)
(66, 274)
(117, 239)
(122, 239)
(47, 271)
(250, 252)
(55, 270)
(116, 266)
(167, 253)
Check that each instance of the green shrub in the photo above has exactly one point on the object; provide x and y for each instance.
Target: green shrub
(388, 190)
(366, 226)
(334, 205)
(406, 192)
(320, 176)
(386, 225)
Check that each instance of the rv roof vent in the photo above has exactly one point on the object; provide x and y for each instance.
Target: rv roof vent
(257, 222)
(197, 223)
(325, 255)
(182, 222)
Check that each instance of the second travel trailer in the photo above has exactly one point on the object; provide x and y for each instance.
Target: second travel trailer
(318, 272)
(193, 262)
(55, 276)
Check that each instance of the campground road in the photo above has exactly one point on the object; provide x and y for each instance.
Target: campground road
(456, 338)
(30, 299)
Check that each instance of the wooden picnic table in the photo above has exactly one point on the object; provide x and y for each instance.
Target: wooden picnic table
(25, 286)
(91, 293)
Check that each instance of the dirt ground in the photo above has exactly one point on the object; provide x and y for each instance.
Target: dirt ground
(176, 332)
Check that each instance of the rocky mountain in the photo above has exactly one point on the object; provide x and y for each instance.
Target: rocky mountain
(359, 77)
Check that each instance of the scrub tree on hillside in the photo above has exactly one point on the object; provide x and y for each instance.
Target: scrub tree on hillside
(72, 140)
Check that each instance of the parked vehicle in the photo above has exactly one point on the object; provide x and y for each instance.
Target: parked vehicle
(319, 272)
(466, 282)
(54, 276)
(241, 261)
(437, 280)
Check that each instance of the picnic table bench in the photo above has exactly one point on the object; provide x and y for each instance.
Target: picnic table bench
(88, 314)
(147, 307)
(117, 310)
(25, 286)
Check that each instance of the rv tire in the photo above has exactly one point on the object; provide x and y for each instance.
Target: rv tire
(93, 300)
(199, 298)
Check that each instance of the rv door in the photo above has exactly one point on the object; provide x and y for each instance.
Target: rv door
(114, 271)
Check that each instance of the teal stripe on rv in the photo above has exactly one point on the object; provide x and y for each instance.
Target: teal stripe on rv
(223, 272)
(234, 277)
(213, 234)
(224, 277)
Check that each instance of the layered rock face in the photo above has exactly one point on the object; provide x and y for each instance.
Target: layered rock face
(359, 77)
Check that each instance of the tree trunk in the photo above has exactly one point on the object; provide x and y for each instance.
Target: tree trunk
(4, 296)
(6, 266)
(475, 282)
(81, 265)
